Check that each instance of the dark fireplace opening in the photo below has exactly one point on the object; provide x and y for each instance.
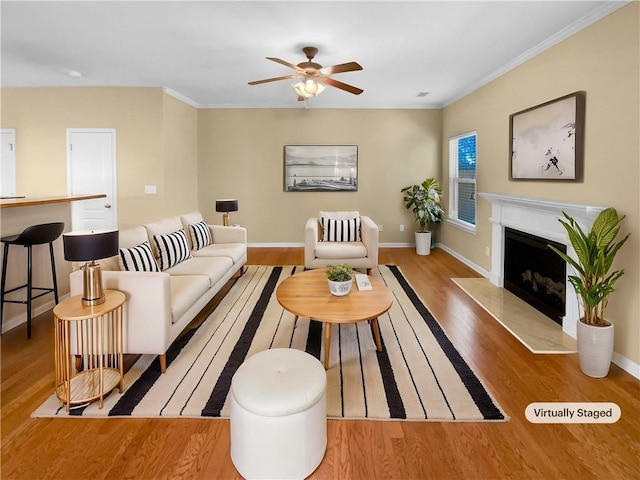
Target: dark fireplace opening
(535, 273)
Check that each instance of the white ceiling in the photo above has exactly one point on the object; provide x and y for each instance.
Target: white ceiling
(207, 51)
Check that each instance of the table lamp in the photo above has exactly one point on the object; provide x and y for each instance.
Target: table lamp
(89, 247)
(226, 205)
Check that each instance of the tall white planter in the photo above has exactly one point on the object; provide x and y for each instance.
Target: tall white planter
(595, 349)
(423, 243)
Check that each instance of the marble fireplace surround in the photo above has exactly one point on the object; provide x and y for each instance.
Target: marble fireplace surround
(537, 217)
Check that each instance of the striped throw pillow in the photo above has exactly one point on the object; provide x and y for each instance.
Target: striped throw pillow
(172, 248)
(346, 230)
(138, 259)
(200, 235)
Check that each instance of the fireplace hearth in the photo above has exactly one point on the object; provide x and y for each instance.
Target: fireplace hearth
(535, 273)
(540, 218)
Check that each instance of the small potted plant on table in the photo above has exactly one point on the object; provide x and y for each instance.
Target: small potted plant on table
(340, 279)
(424, 201)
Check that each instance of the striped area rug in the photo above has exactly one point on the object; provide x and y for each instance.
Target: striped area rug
(419, 375)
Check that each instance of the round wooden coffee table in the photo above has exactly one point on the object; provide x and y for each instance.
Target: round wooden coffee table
(306, 294)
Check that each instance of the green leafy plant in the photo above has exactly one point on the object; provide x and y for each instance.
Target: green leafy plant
(339, 273)
(424, 201)
(595, 251)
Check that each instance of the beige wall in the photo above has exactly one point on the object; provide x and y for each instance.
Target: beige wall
(155, 144)
(241, 156)
(180, 158)
(603, 60)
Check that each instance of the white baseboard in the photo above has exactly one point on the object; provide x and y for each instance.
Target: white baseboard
(624, 363)
(464, 260)
(13, 322)
(627, 365)
(296, 244)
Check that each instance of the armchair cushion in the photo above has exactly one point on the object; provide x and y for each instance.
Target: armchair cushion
(172, 248)
(362, 254)
(346, 230)
(339, 215)
(139, 259)
(340, 250)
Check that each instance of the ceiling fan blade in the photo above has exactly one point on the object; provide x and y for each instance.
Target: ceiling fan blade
(275, 79)
(286, 64)
(342, 86)
(343, 67)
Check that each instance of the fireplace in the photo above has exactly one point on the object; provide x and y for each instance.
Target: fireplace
(536, 217)
(535, 273)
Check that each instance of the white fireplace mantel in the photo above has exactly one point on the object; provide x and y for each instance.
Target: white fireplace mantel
(536, 217)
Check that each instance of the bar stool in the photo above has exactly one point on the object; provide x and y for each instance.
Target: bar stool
(33, 235)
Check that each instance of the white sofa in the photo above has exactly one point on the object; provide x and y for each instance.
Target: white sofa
(161, 304)
(361, 253)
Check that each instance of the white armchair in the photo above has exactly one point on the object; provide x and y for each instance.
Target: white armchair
(321, 248)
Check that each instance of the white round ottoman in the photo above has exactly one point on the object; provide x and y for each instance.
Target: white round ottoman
(278, 415)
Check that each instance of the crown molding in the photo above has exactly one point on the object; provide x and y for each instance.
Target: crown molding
(584, 22)
(181, 97)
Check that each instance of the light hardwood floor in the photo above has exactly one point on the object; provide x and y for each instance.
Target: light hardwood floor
(192, 448)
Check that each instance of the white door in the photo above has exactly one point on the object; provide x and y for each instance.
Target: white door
(8, 163)
(91, 169)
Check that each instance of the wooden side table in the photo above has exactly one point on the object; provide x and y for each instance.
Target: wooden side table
(93, 335)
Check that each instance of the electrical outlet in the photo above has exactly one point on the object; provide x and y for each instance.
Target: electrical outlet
(150, 189)
(401, 228)
(381, 227)
(487, 251)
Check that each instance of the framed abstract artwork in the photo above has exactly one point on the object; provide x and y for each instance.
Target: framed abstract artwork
(546, 141)
(320, 168)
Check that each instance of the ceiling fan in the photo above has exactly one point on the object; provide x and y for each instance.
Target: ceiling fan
(313, 76)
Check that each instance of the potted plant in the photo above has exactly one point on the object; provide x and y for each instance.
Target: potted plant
(593, 283)
(424, 201)
(340, 279)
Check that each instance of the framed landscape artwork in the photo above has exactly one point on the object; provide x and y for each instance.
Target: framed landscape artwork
(546, 141)
(320, 168)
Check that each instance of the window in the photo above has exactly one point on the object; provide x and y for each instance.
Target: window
(462, 175)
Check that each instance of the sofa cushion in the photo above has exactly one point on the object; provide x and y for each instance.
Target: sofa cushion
(132, 237)
(172, 248)
(212, 267)
(139, 259)
(235, 251)
(191, 218)
(200, 235)
(162, 227)
(186, 290)
(340, 230)
(340, 250)
(126, 239)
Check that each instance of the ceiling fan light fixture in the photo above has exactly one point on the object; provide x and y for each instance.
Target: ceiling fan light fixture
(308, 88)
(312, 78)
(311, 87)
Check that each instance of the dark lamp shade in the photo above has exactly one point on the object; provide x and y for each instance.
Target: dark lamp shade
(227, 205)
(87, 246)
